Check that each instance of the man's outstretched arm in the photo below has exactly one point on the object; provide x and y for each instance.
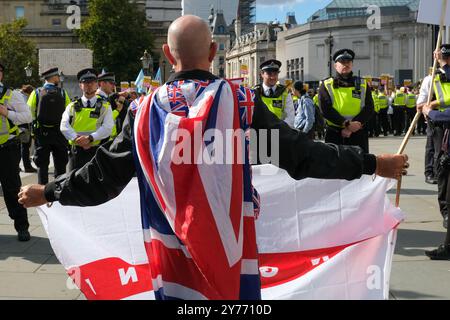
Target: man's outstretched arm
(303, 158)
(100, 180)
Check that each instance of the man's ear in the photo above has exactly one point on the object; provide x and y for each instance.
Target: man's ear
(168, 54)
(212, 51)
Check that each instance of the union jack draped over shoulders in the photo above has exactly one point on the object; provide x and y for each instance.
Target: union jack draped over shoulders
(198, 218)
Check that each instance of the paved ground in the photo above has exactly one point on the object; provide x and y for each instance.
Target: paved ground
(31, 271)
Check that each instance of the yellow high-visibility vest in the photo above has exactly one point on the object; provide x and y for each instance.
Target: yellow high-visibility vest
(442, 92)
(346, 100)
(6, 127)
(86, 121)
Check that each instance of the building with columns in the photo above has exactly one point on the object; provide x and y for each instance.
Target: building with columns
(398, 45)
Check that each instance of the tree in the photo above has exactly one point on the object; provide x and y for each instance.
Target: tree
(15, 53)
(117, 32)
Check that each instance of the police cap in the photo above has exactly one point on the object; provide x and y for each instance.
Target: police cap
(87, 75)
(271, 64)
(50, 73)
(344, 55)
(445, 50)
(107, 76)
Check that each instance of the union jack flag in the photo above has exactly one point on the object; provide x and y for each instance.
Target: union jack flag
(183, 202)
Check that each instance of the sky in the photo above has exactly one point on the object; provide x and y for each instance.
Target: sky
(269, 10)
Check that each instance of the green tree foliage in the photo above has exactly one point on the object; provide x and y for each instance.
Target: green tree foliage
(15, 53)
(117, 32)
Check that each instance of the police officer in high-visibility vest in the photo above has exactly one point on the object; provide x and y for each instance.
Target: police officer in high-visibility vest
(410, 108)
(438, 115)
(374, 124)
(399, 106)
(87, 121)
(107, 84)
(13, 112)
(436, 128)
(383, 104)
(47, 104)
(346, 103)
(275, 96)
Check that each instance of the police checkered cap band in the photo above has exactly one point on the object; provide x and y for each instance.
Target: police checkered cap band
(51, 74)
(445, 51)
(273, 65)
(344, 56)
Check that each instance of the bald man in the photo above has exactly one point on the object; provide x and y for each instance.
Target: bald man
(192, 257)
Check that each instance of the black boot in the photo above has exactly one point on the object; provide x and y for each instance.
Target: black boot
(441, 253)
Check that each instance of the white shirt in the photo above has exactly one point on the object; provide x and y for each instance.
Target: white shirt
(289, 110)
(103, 132)
(424, 90)
(18, 110)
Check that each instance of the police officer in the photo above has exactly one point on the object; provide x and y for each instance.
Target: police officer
(106, 90)
(13, 112)
(383, 104)
(47, 104)
(86, 121)
(399, 106)
(410, 108)
(437, 124)
(276, 97)
(346, 103)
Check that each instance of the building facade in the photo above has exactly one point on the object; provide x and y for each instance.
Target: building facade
(160, 14)
(398, 46)
(221, 36)
(202, 8)
(249, 50)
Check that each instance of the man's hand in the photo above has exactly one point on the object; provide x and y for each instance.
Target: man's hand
(83, 141)
(392, 165)
(3, 110)
(354, 126)
(426, 108)
(345, 133)
(419, 107)
(32, 195)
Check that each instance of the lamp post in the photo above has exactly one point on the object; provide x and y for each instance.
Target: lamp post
(163, 72)
(329, 41)
(28, 71)
(147, 63)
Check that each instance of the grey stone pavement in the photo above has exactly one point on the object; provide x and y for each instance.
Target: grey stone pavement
(31, 271)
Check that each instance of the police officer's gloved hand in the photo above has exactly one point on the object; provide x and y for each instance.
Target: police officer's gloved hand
(392, 165)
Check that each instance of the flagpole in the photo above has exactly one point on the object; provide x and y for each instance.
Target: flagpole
(417, 116)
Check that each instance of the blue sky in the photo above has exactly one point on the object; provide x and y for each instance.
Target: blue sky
(269, 10)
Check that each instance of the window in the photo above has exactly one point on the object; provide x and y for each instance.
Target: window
(221, 30)
(20, 12)
(358, 46)
(320, 50)
(385, 49)
(221, 46)
(56, 22)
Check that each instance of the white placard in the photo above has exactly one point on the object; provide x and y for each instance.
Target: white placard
(430, 12)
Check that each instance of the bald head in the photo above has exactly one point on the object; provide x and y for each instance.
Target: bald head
(189, 43)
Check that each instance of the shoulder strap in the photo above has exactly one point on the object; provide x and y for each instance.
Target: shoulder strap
(5, 89)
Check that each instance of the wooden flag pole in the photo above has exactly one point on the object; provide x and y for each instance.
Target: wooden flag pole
(417, 116)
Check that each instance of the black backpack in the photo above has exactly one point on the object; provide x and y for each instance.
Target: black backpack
(51, 104)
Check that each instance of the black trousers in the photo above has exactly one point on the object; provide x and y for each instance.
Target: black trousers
(78, 157)
(398, 119)
(410, 114)
(429, 154)
(437, 136)
(421, 125)
(11, 183)
(55, 144)
(383, 121)
(25, 151)
(443, 169)
(359, 138)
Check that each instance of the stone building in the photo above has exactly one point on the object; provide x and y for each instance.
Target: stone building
(398, 45)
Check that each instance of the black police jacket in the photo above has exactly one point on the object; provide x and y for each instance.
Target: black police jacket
(112, 168)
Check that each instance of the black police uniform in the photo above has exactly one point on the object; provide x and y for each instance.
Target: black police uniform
(49, 140)
(333, 133)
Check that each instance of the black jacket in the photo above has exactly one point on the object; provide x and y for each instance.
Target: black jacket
(332, 114)
(107, 174)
